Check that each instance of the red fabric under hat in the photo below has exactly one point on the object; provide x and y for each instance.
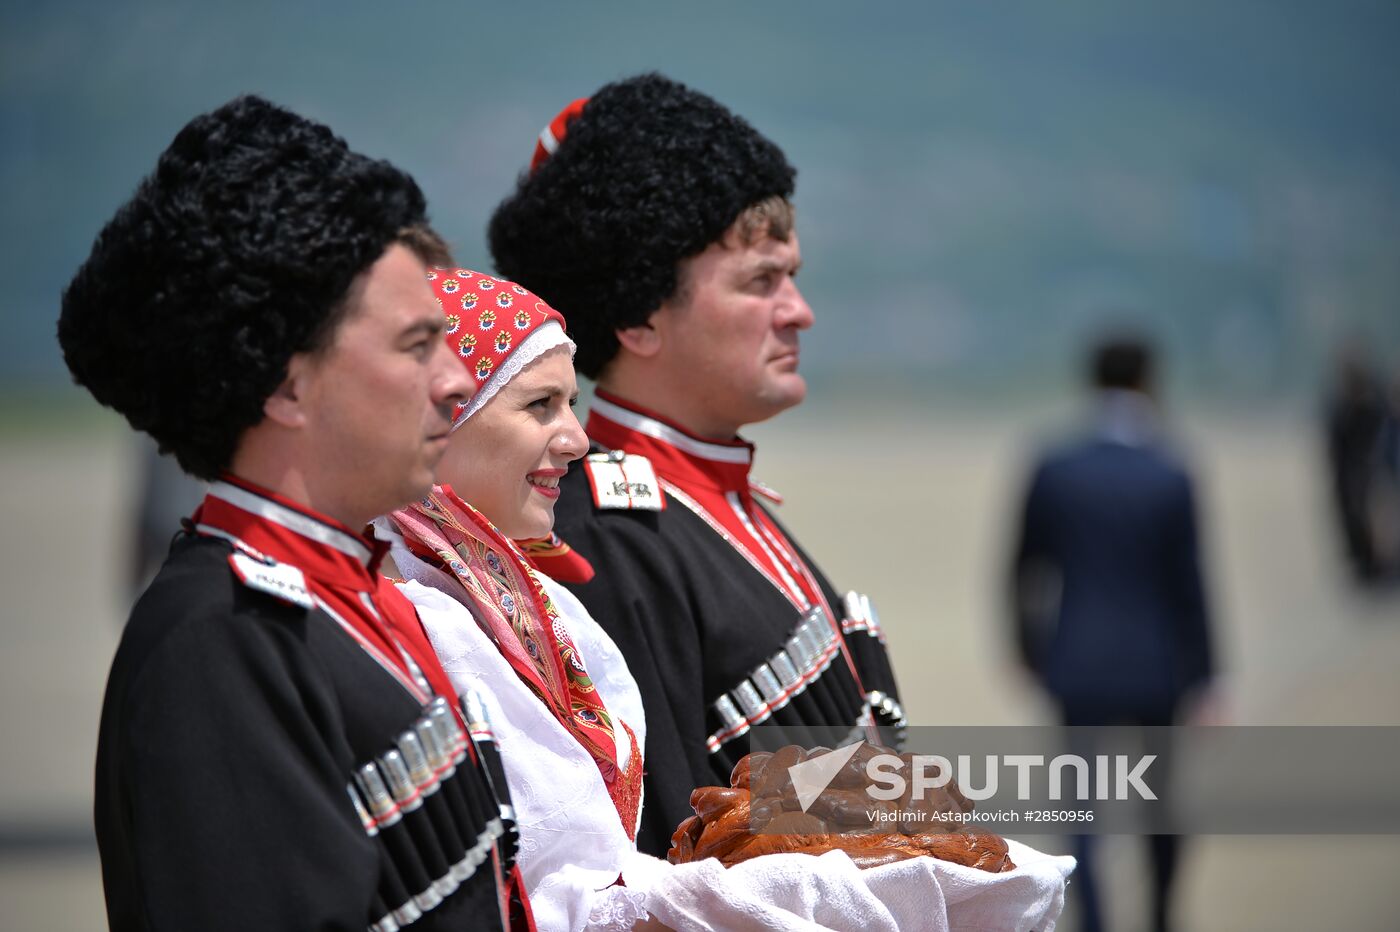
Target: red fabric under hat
(554, 133)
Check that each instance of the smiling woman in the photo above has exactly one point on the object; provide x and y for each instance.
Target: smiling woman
(508, 457)
(561, 684)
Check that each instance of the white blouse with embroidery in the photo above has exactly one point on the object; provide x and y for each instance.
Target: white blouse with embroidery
(572, 843)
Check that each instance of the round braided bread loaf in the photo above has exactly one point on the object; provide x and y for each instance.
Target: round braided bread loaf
(758, 814)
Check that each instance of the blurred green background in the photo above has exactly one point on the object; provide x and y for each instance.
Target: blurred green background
(990, 178)
(990, 182)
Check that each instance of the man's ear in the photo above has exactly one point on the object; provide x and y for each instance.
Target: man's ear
(285, 406)
(642, 340)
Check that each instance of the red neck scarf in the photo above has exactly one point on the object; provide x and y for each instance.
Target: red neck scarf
(513, 608)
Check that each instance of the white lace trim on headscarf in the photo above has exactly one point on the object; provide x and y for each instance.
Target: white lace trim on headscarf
(545, 338)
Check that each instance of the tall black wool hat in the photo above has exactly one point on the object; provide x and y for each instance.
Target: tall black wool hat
(649, 173)
(235, 254)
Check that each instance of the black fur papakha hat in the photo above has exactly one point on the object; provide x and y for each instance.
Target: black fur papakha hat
(649, 173)
(235, 254)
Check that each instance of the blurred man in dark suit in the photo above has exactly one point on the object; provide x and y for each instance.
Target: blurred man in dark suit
(1110, 607)
(1356, 421)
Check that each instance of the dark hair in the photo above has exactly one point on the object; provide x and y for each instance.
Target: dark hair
(1122, 362)
(650, 173)
(235, 254)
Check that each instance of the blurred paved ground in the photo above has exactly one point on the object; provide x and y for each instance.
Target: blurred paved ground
(910, 506)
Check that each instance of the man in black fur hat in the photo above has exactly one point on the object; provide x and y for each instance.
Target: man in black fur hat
(661, 224)
(279, 747)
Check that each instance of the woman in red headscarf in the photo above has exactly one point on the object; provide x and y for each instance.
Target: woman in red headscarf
(562, 699)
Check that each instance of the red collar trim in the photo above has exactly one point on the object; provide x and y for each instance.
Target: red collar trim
(288, 532)
(646, 421)
(676, 453)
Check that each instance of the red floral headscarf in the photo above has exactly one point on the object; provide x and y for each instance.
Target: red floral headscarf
(495, 327)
